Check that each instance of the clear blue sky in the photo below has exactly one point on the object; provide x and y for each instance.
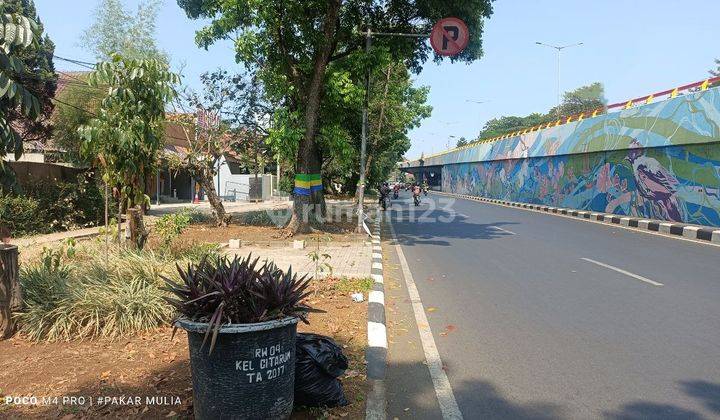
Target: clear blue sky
(633, 47)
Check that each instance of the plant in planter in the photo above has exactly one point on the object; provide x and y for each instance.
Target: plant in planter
(249, 314)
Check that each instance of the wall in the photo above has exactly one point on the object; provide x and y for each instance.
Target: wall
(32, 172)
(660, 160)
(684, 120)
(679, 183)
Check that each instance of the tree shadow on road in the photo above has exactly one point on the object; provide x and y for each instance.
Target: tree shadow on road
(439, 227)
(705, 392)
(478, 399)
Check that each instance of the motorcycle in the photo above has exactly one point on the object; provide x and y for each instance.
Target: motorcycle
(425, 191)
(416, 198)
(395, 195)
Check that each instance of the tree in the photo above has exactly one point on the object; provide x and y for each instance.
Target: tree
(38, 77)
(77, 103)
(294, 43)
(207, 134)
(583, 99)
(128, 132)
(461, 142)
(117, 30)
(17, 33)
(395, 107)
(716, 72)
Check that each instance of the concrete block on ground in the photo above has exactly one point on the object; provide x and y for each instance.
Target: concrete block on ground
(716, 236)
(298, 244)
(690, 231)
(235, 244)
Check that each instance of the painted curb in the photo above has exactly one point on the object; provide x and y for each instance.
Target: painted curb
(702, 233)
(376, 353)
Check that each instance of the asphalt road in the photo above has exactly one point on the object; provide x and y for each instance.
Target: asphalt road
(540, 316)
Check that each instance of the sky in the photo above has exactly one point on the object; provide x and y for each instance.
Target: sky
(634, 47)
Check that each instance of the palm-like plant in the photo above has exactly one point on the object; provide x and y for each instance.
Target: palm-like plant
(221, 291)
(16, 33)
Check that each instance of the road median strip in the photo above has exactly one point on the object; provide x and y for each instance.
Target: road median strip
(376, 353)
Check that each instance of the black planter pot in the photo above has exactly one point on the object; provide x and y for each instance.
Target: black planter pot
(250, 373)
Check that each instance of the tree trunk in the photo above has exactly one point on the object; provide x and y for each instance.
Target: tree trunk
(309, 161)
(138, 233)
(10, 292)
(218, 209)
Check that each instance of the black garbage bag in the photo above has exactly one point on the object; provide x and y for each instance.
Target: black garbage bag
(319, 361)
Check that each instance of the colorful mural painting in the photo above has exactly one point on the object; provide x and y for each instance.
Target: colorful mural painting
(679, 183)
(660, 160)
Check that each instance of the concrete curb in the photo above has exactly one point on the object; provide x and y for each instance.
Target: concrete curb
(376, 353)
(703, 233)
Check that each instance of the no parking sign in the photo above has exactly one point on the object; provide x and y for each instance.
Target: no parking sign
(449, 36)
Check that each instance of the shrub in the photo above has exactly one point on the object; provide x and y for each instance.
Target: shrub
(170, 226)
(69, 205)
(23, 215)
(219, 291)
(256, 218)
(352, 285)
(50, 206)
(74, 295)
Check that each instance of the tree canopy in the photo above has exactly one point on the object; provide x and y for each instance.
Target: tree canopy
(38, 76)
(77, 103)
(292, 44)
(583, 99)
(128, 131)
(116, 30)
(17, 33)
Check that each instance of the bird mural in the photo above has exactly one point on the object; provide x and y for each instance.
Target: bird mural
(655, 183)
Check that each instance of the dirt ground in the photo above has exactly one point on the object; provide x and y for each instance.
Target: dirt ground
(338, 232)
(154, 365)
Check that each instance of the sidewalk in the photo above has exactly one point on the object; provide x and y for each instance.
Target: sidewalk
(348, 259)
(154, 212)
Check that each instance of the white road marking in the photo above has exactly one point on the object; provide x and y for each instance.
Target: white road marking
(463, 215)
(443, 390)
(503, 230)
(620, 270)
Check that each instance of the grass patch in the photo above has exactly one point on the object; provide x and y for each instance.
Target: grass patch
(354, 285)
(74, 293)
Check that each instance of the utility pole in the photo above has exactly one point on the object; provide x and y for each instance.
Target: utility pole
(559, 49)
(365, 128)
(363, 135)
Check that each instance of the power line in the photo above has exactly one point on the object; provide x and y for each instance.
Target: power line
(80, 63)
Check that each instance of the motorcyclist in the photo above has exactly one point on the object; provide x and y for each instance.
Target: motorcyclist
(425, 187)
(396, 191)
(384, 191)
(416, 194)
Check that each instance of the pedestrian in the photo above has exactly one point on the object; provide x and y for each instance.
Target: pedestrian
(5, 234)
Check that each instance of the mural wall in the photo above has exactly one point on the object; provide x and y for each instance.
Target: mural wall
(678, 183)
(659, 160)
(687, 119)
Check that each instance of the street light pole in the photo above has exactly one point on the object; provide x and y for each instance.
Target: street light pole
(558, 48)
(365, 128)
